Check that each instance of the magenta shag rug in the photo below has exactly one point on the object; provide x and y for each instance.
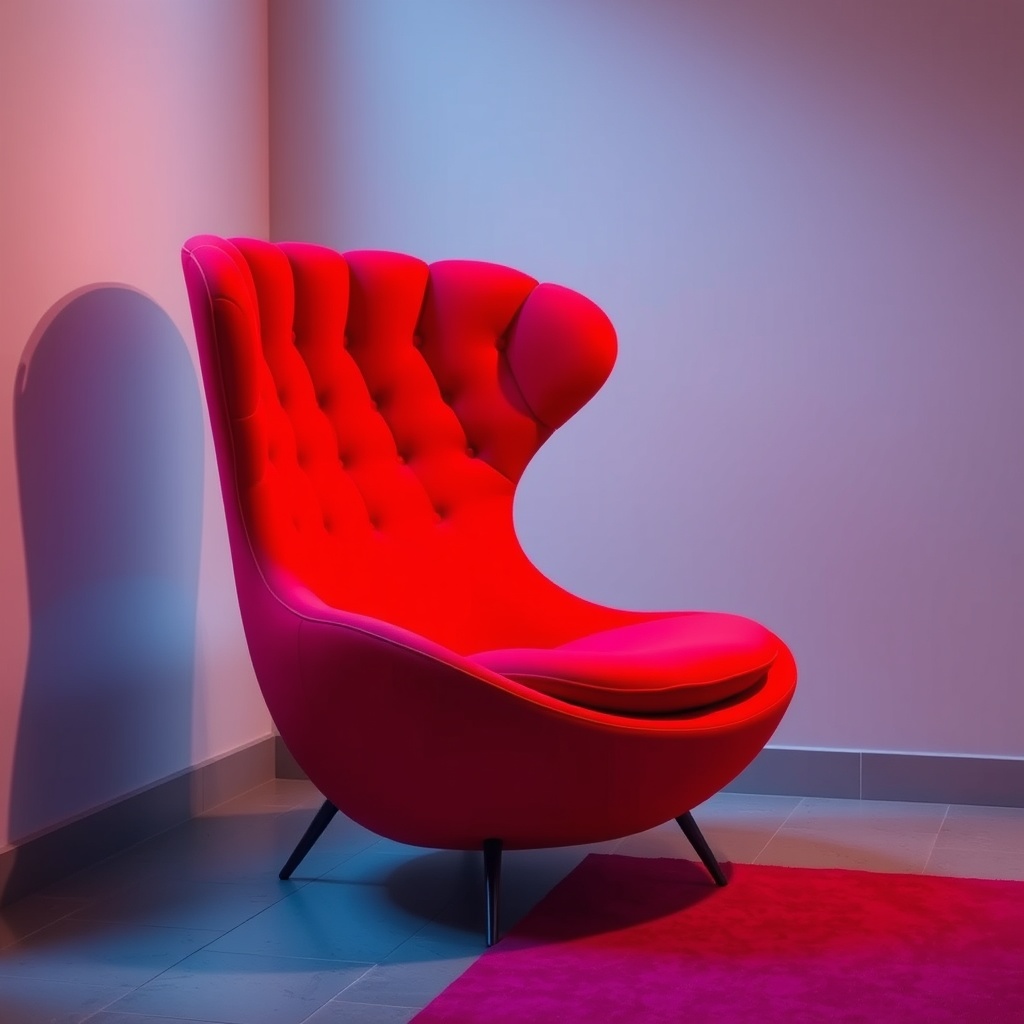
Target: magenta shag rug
(625, 939)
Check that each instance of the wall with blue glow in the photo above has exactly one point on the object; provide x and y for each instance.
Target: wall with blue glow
(806, 221)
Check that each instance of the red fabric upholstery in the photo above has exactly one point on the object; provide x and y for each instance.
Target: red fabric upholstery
(662, 667)
(372, 416)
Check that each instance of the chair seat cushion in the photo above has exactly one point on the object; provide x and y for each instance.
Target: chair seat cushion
(660, 667)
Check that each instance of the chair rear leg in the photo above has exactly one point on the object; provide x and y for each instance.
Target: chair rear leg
(700, 844)
(492, 885)
(310, 836)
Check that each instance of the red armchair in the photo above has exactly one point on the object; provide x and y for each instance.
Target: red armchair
(372, 416)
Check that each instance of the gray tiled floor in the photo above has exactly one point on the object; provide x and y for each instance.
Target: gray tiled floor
(194, 925)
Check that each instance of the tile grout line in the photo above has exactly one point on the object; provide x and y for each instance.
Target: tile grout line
(778, 829)
(935, 841)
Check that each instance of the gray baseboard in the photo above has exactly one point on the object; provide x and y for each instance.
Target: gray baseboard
(42, 859)
(872, 775)
(855, 775)
(286, 765)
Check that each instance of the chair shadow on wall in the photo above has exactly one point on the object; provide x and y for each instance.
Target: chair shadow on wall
(108, 429)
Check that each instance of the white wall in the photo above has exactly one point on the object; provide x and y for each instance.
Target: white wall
(125, 128)
(806, 220)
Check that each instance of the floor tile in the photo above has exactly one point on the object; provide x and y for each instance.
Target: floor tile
(983, 828)
(342, 840)
(243, 989)
(429, 946)
(977, 863)
(411, 976)
(273, 795)
(100, 953)
(335, 920)
(112, 1017)
(32, 1001)
(28, 915)
(806, 848)
(181, 903)
(390, 864)
(747, 806)
(887, 816)
(728, 841)
(736, 826)
(103, 880)
(213, 847)
(458, 931)
(340, 1011)
(251, 847)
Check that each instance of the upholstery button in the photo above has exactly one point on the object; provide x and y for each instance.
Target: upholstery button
(401, 458)
(322, 398)
(471, 451)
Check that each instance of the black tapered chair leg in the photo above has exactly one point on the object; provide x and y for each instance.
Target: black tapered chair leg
(700, 844)
(492, 886)
(309, 837)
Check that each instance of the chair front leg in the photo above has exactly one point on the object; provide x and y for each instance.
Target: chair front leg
(309, 837)
(700, 844)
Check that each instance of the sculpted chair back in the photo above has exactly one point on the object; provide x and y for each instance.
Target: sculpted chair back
(372, 416)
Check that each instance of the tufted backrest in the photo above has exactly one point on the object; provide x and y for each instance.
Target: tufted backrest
(375, 416)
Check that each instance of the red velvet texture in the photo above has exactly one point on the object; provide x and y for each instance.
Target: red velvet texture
(372, 416)
(624, 940)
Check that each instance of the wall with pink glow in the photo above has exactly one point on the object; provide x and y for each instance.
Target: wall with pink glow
(806, 220)
(126, 127)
